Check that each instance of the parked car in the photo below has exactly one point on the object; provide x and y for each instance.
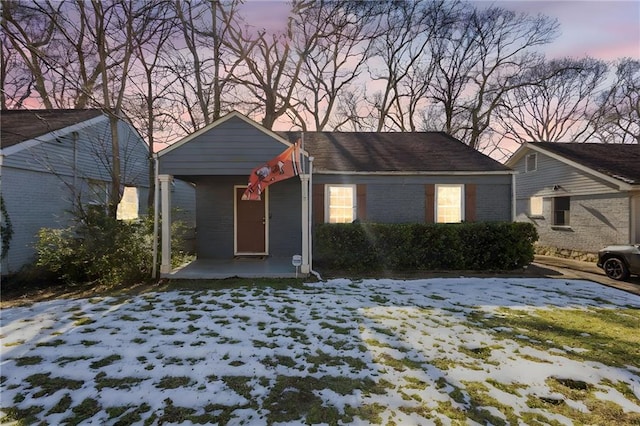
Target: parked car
(618, 262)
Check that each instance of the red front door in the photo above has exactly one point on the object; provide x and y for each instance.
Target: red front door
(250, 224)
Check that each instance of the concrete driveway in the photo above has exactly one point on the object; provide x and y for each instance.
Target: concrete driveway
(555, 267)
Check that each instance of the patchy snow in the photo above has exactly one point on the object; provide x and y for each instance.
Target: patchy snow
(423, 338)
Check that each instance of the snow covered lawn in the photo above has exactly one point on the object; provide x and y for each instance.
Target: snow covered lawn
(437, 351)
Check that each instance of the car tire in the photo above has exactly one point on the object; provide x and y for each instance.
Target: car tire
(615, 269)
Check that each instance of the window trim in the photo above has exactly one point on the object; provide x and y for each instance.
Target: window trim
(462, 200)
(327, 200)
(535, 162)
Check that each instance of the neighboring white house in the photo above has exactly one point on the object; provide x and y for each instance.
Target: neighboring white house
(580, 196)
(50, 157)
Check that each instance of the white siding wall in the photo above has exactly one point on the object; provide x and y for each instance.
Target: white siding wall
(34, 200)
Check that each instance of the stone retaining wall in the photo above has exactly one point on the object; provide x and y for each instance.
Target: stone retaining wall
(566, 253)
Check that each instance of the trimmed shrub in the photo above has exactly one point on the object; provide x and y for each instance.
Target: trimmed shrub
(363, 247)
(98, 249)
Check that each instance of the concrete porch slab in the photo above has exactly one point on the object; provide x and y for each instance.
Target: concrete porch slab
(269, 267)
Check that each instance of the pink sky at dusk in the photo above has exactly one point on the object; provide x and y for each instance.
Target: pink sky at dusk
(605, 29)
(601, 29)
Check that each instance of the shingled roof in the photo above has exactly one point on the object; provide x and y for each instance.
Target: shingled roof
(619, 161)
(393, 152)
(20, 125)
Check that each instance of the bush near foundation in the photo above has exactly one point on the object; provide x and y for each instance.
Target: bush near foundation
(366, 247)
(97, 249)
(100, 249)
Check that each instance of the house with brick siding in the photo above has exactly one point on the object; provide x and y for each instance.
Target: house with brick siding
(580, 196)
(394, 177)
(49, 158)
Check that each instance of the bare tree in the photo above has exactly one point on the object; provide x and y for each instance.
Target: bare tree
(402, 62)
(617, 118)
(112, 27)
(80, 54)
(552, 104)
(481, 62)
(150, 81)
(271, 65)
(333, 39)
(16, 82)
(30, 32)
(199, 59)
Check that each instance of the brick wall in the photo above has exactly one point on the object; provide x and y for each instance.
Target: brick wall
(595, 222)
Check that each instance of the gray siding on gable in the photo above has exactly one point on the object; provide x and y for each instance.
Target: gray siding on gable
(401, 199)
(231, 148)
(215, 217)
(552, 172)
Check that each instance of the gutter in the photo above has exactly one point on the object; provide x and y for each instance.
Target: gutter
(419, 173)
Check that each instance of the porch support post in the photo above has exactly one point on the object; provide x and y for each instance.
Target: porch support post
(165, 190)
(304, 181)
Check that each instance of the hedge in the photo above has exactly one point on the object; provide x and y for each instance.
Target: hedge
(365, 247)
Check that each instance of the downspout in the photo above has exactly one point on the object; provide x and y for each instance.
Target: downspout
(310, 223)
(513, 197)
(76, 199)
(1, 241)
(156, 216)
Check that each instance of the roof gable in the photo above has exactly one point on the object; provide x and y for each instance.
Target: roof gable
(18, 126)
(206, 129)
(615, 161)
(391, 152)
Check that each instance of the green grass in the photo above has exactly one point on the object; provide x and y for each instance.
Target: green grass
(173, 382)
(49, 385)
(607, 336)
(28, 360)
(108, 360)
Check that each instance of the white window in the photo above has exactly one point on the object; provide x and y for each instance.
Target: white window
(128, 207)
(531, 163)
(535, 206)
(340, 203)
(449, 203)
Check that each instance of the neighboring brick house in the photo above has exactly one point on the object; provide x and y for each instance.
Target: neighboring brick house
(422, 177)
(580, 196)
(51, 157)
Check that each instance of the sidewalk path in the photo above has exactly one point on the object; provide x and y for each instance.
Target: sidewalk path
(568, 268)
